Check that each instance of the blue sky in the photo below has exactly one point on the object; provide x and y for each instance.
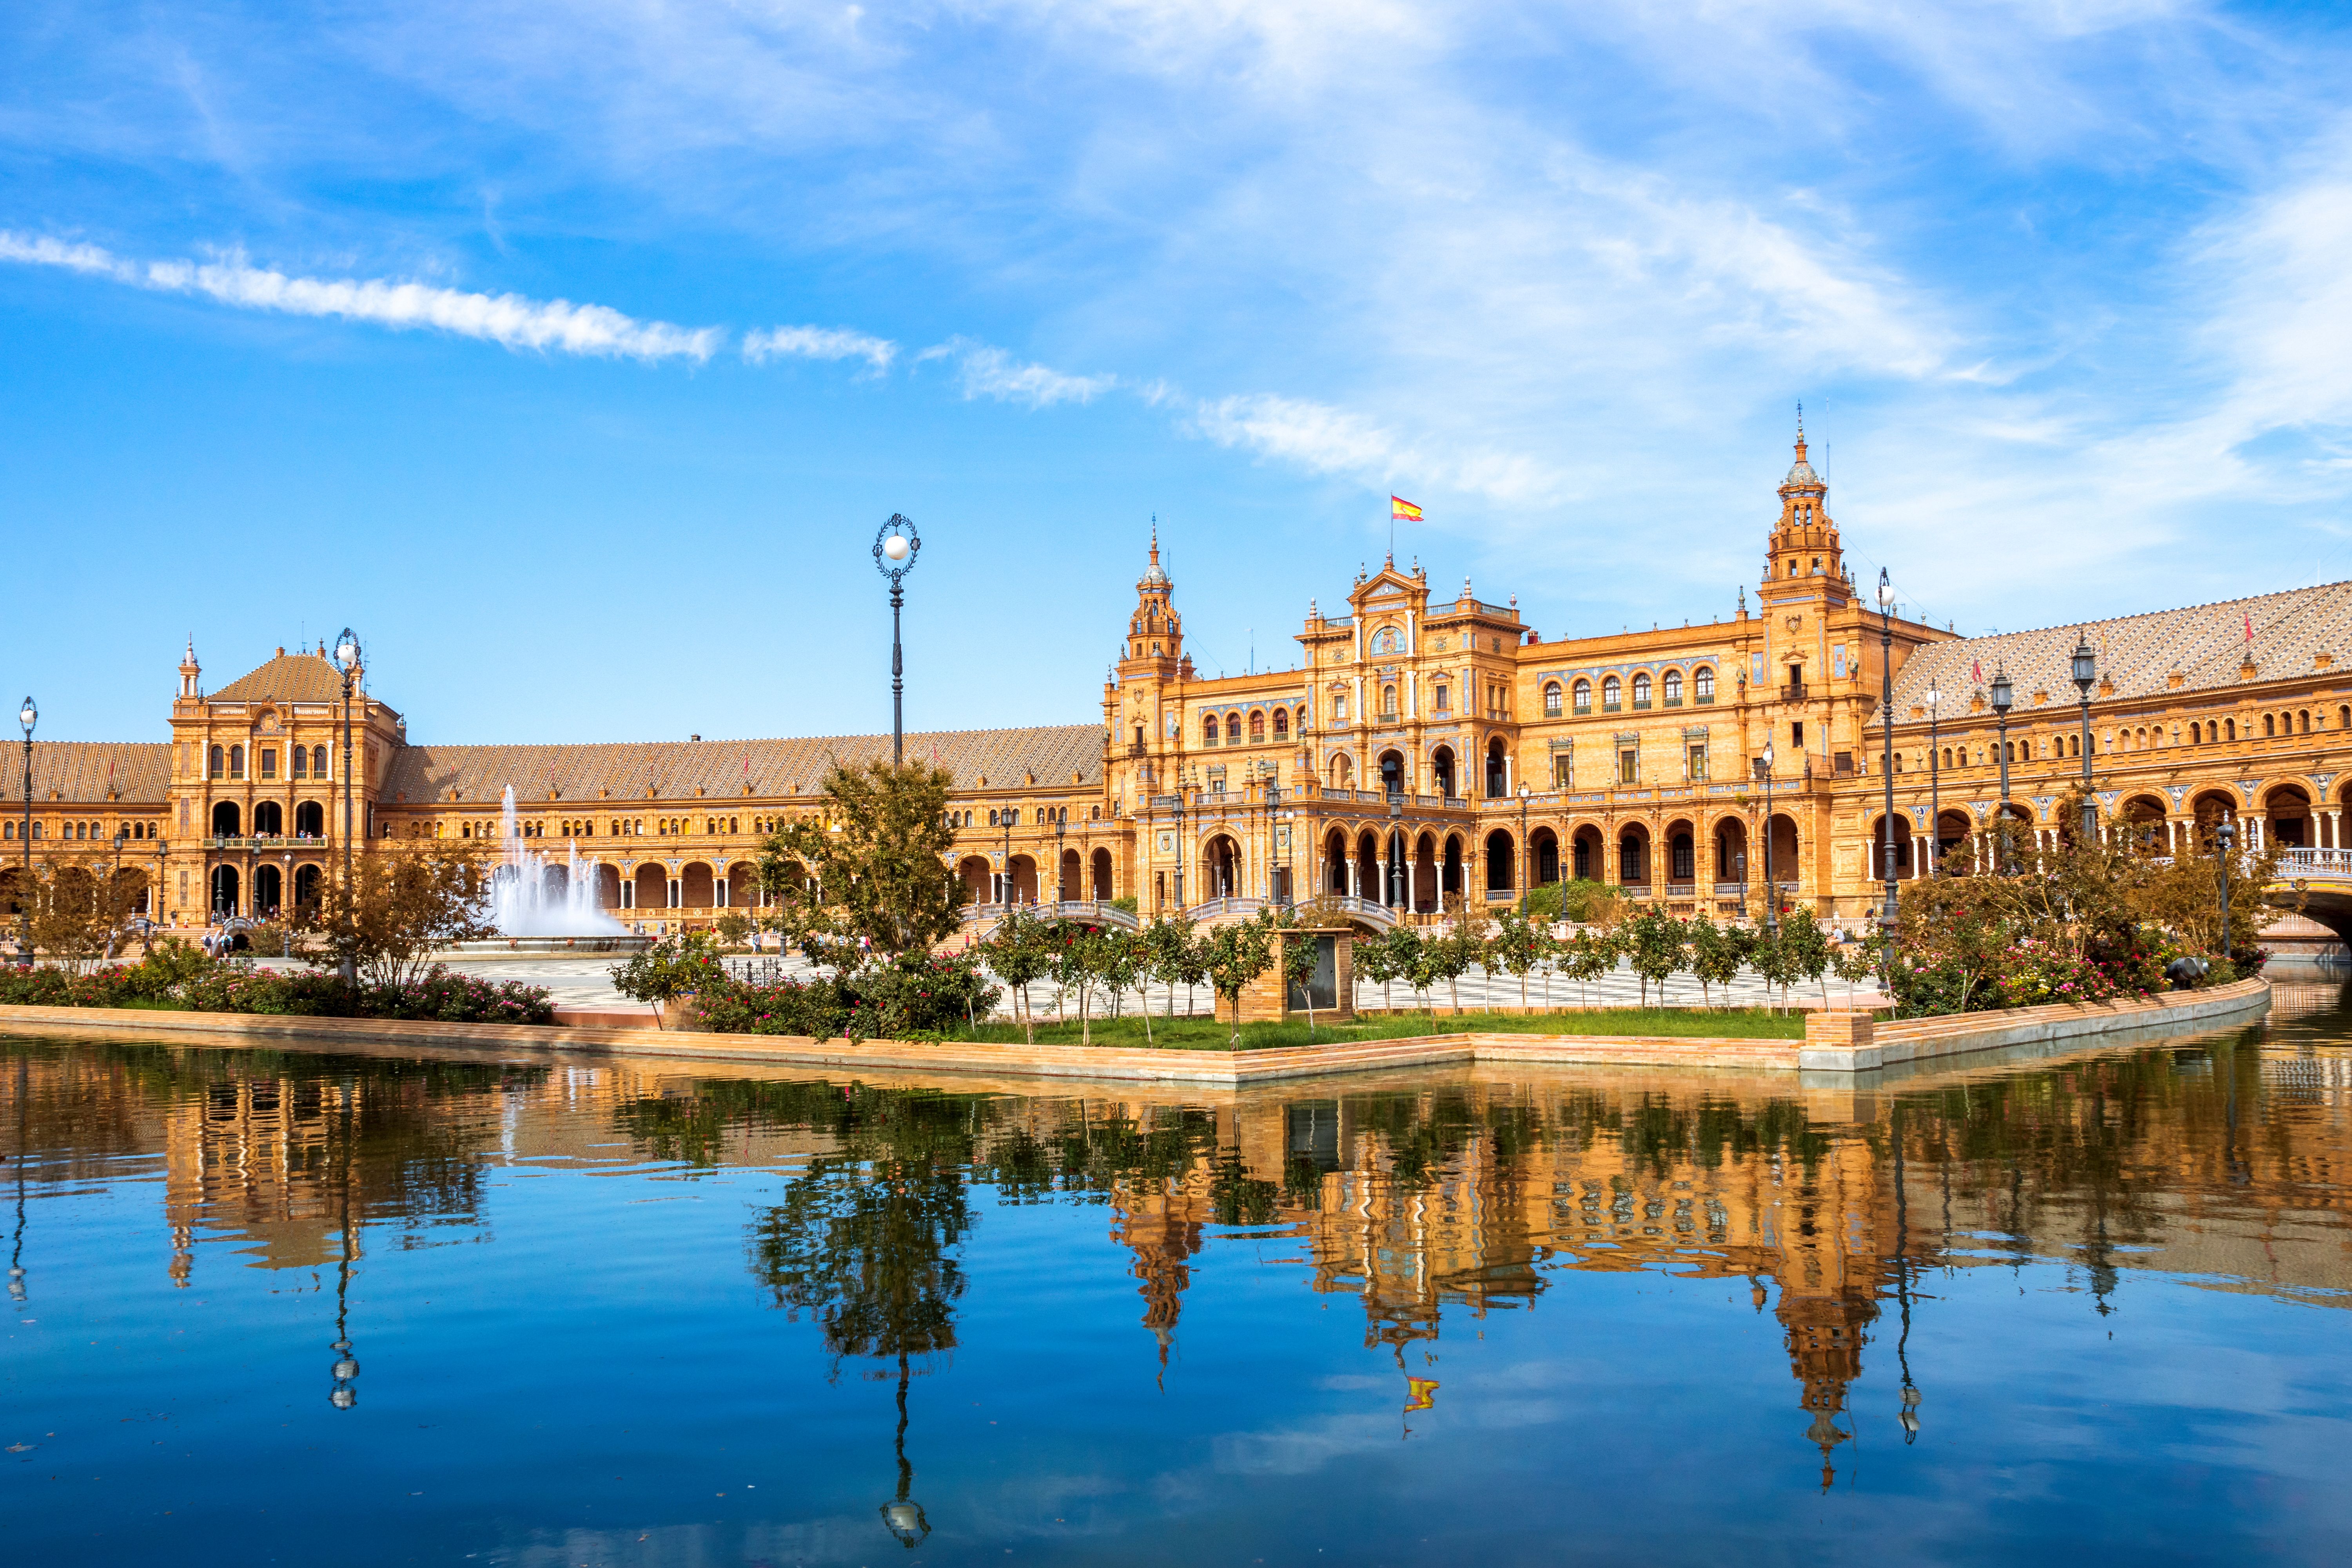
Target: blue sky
(573, 353)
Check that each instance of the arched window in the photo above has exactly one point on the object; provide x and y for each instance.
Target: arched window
(1551, 699)
(2270, 727)
(2229, 730)
(1257, 726)
(2303, 720)
(1384, 640)
(318, 762)
(1641, 690)
(1611, 695)
(1208, 729)
(1582, 697)
(1282, 723)
(2196, 735)
(219, 768)
(1387, 703)
(301, 763)
(1703, 683)
(1673, 687)
(237, 761)
(1233, 729)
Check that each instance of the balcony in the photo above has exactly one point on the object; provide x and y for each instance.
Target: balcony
(1612, 706)
(1794, 692)
(1640, 703)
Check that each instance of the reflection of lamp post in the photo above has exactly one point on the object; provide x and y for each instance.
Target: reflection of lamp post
(903, 1515)
(347, 657)
(16, 1253)
(342, 1396)
(27, 716)
(895, 549)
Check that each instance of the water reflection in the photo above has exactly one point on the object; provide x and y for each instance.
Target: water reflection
(1431, 1202)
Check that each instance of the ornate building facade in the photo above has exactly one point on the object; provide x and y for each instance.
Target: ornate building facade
(1424, 755)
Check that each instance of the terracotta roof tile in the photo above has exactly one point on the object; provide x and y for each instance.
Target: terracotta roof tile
(2205, 643)
(289, 678)
(674, 769)
(84, 772)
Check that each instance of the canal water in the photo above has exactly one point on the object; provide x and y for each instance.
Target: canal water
(314, 1309)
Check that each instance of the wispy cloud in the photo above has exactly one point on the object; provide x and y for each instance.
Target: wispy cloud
(818, 343)
(512, 320)
(985, 371)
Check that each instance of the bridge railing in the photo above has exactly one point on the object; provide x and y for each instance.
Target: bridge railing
(2316, 862)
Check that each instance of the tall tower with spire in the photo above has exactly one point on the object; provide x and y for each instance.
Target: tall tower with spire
(1155, 633)
(1803, 560)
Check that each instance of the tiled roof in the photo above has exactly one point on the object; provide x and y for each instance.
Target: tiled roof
(289, 678)
(675, 769)
(139, 772)
(2205, 643)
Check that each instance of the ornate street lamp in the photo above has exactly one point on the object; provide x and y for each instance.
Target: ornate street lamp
(2003, 697)
(896, 545)
(1886, 678)
(2225, 838)
(1061, 831)
(1934, 806)
(347, 660)
(2086, 674)
(1772, 894)
(27, 716)
(1527, 855)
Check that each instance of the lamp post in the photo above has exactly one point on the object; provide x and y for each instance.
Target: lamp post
(1772, 894)
(896, 545)
(1061, 829)
(1526, 857)
(2085, 673)
(1004, 888)
(1935, 805)
(286, 902)
(155, 903)
(1886, 682)
(2225, 837)
(2003, 695)
(347, 660)
(27, 716)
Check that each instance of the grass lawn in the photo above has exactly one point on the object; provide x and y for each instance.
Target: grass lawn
(1201, 1035)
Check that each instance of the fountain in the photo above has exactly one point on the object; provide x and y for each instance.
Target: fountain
(533, 914)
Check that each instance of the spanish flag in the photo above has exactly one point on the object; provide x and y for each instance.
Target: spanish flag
(1402, 510)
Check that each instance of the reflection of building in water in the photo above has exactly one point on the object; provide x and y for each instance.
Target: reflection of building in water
(248, 1156)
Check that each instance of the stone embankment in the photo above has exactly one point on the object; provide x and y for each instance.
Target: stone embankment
(1836, 1045)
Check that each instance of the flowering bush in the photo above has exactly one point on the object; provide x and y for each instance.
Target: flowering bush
(914, 993)
(209, 986)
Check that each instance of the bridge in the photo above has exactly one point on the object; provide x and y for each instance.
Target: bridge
(2323, 879)
(982, 918)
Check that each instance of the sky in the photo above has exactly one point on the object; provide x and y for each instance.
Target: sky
(573, 354)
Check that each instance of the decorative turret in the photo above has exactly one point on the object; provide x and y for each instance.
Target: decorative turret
(1805, 549)
(1155, 633)
(189, 671)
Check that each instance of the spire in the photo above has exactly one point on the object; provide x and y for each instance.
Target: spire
(190, 669)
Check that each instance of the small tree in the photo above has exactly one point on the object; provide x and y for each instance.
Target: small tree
(1517, 945)
(1655, 941)
(877, 848)
(1807, 947)
(1854, 961)
(1451, 955)
(1020, 952)
(1768, 955)
(406, 899)
(1301, 950)
(1236, 953)
(1121, 959)
(1173, 954)
(1591, 955)
(673, 967)
(1388, 957)
(1715, 956)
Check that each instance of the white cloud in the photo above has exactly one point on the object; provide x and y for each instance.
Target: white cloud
(508, 319)
(818, 343)
(986, 372)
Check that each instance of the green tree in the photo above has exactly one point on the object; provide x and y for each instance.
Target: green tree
(1121, 962)
(1590, 955)
(877, 849)
(405, 900)
(1021, 951)
(1450, 956)
(1301, 950)
(1655, 941)
(1518, 945)
(1236, 953)
(1387, 958)
(1715, 955)
(1808, 947)
(1172, 956)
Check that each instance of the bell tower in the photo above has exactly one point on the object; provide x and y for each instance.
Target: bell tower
(1155, 633)
(1803, 559)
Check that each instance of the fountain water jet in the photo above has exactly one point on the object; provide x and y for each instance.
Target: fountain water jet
(532, 916)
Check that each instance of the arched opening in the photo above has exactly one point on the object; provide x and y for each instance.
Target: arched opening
(1335, 862)
(1021, 877)
(608, 886)
(1391, 773)
(554, 885)
(225, 819)
(306, 886)
(651, 888)
(310, 820)
(2286, 811)
(1633, 856)
(1073, 876)
(1731, 851)
(1441, 769)
(269, 820)
(1450, 881)
(268, 886)
(1781, 844)
(237, 761)
(1543, 843)
(1498, 782)
(1423, 887)
(2144, 818)
(1257, 726)
(697, 887)
(1502, 862)
(223, 892)
(1343, 772)
(743, 885)
(1682, 857)
(1221, 866)
(973, 870)
(1372, 882)
(1883, 854)
(1102, 878)
(1952, 830)
(1588, 852)
(2210, 809)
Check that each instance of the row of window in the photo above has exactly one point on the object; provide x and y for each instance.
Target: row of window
(229, 762)
(1612, 692)
(2141, 738)
(1010, 816)
(1229, 731)
(80, 831)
